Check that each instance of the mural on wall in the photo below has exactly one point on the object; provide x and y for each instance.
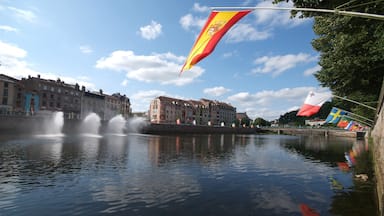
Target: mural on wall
(31, 103)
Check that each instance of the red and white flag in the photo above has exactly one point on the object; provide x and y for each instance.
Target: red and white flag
(312, 103)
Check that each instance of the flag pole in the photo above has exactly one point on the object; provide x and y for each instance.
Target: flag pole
(336, 11)
(358, 103)
(358, 116)
(360, 121)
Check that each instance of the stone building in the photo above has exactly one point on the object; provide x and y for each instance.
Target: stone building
(166, 110)
(123, 104)
(37, 96)
(220, 113)
(45, 96)
(10, 95)
(92, 102)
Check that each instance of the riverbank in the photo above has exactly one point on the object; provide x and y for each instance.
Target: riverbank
(183, 129)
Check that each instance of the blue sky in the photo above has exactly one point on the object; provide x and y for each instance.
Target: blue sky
(263, 66)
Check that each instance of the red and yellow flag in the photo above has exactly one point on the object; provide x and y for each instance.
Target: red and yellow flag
(218, 23)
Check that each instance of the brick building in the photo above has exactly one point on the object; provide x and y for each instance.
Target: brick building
(166, 110)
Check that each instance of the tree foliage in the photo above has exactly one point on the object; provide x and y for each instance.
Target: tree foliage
(351, 50)
(261, 122)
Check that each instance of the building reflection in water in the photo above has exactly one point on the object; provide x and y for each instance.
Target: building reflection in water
(263, 174)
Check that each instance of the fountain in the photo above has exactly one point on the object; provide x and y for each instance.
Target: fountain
(91, 124)
(53, 125)
(135, 124)
(116, 125)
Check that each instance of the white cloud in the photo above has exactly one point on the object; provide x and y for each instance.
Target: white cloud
(24, 14)
(12, 51)
(278, 64)
(13, 64)
(141, 100)
(189, 21)
(162, 68)
(270, 104)
(245, 32)
(151, 31)
(276, 17)
(202, 9)
(311, 71)
(86, 49)
(8, 28)
(216, 91)
(230, 54)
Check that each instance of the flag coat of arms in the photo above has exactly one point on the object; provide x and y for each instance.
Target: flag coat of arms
(335, 115)
(313, 103)
(343, 122)
(218, 23)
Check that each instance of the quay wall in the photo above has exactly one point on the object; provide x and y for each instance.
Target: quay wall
(177, 129)
(377, 136)
(317, 132)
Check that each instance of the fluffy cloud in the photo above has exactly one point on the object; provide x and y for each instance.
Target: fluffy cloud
(13, 64)
(276, 17)
(245, 32)
(23, 14)
(216, 91)
(86, 49)
(151, 31)
(198, 8)
(140, 100)
(278, 64)
(189, 21)
(271, 104)
(11, 51)
(8, 28)
(163, 68)
(312, 70)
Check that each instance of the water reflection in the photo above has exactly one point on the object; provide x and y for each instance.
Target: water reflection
(179, 174)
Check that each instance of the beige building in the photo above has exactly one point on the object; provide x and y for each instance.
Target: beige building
(165, 110)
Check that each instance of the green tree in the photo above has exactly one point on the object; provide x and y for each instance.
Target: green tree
(261, 122)
(351, 51)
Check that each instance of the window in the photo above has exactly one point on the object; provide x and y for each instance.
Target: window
(5, 85)
(5, 101)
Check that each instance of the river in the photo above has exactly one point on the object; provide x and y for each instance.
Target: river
(138, 174)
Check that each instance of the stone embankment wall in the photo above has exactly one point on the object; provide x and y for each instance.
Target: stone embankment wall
(169, 128)
(377, 135)
(317, 132)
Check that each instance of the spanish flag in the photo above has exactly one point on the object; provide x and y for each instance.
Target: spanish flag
(218, 23)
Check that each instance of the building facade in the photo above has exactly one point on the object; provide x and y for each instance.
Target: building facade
(166, 110)
(45, 96)
(9, 95)
(37, 96)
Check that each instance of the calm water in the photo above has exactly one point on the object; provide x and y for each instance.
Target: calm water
(182, 175)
